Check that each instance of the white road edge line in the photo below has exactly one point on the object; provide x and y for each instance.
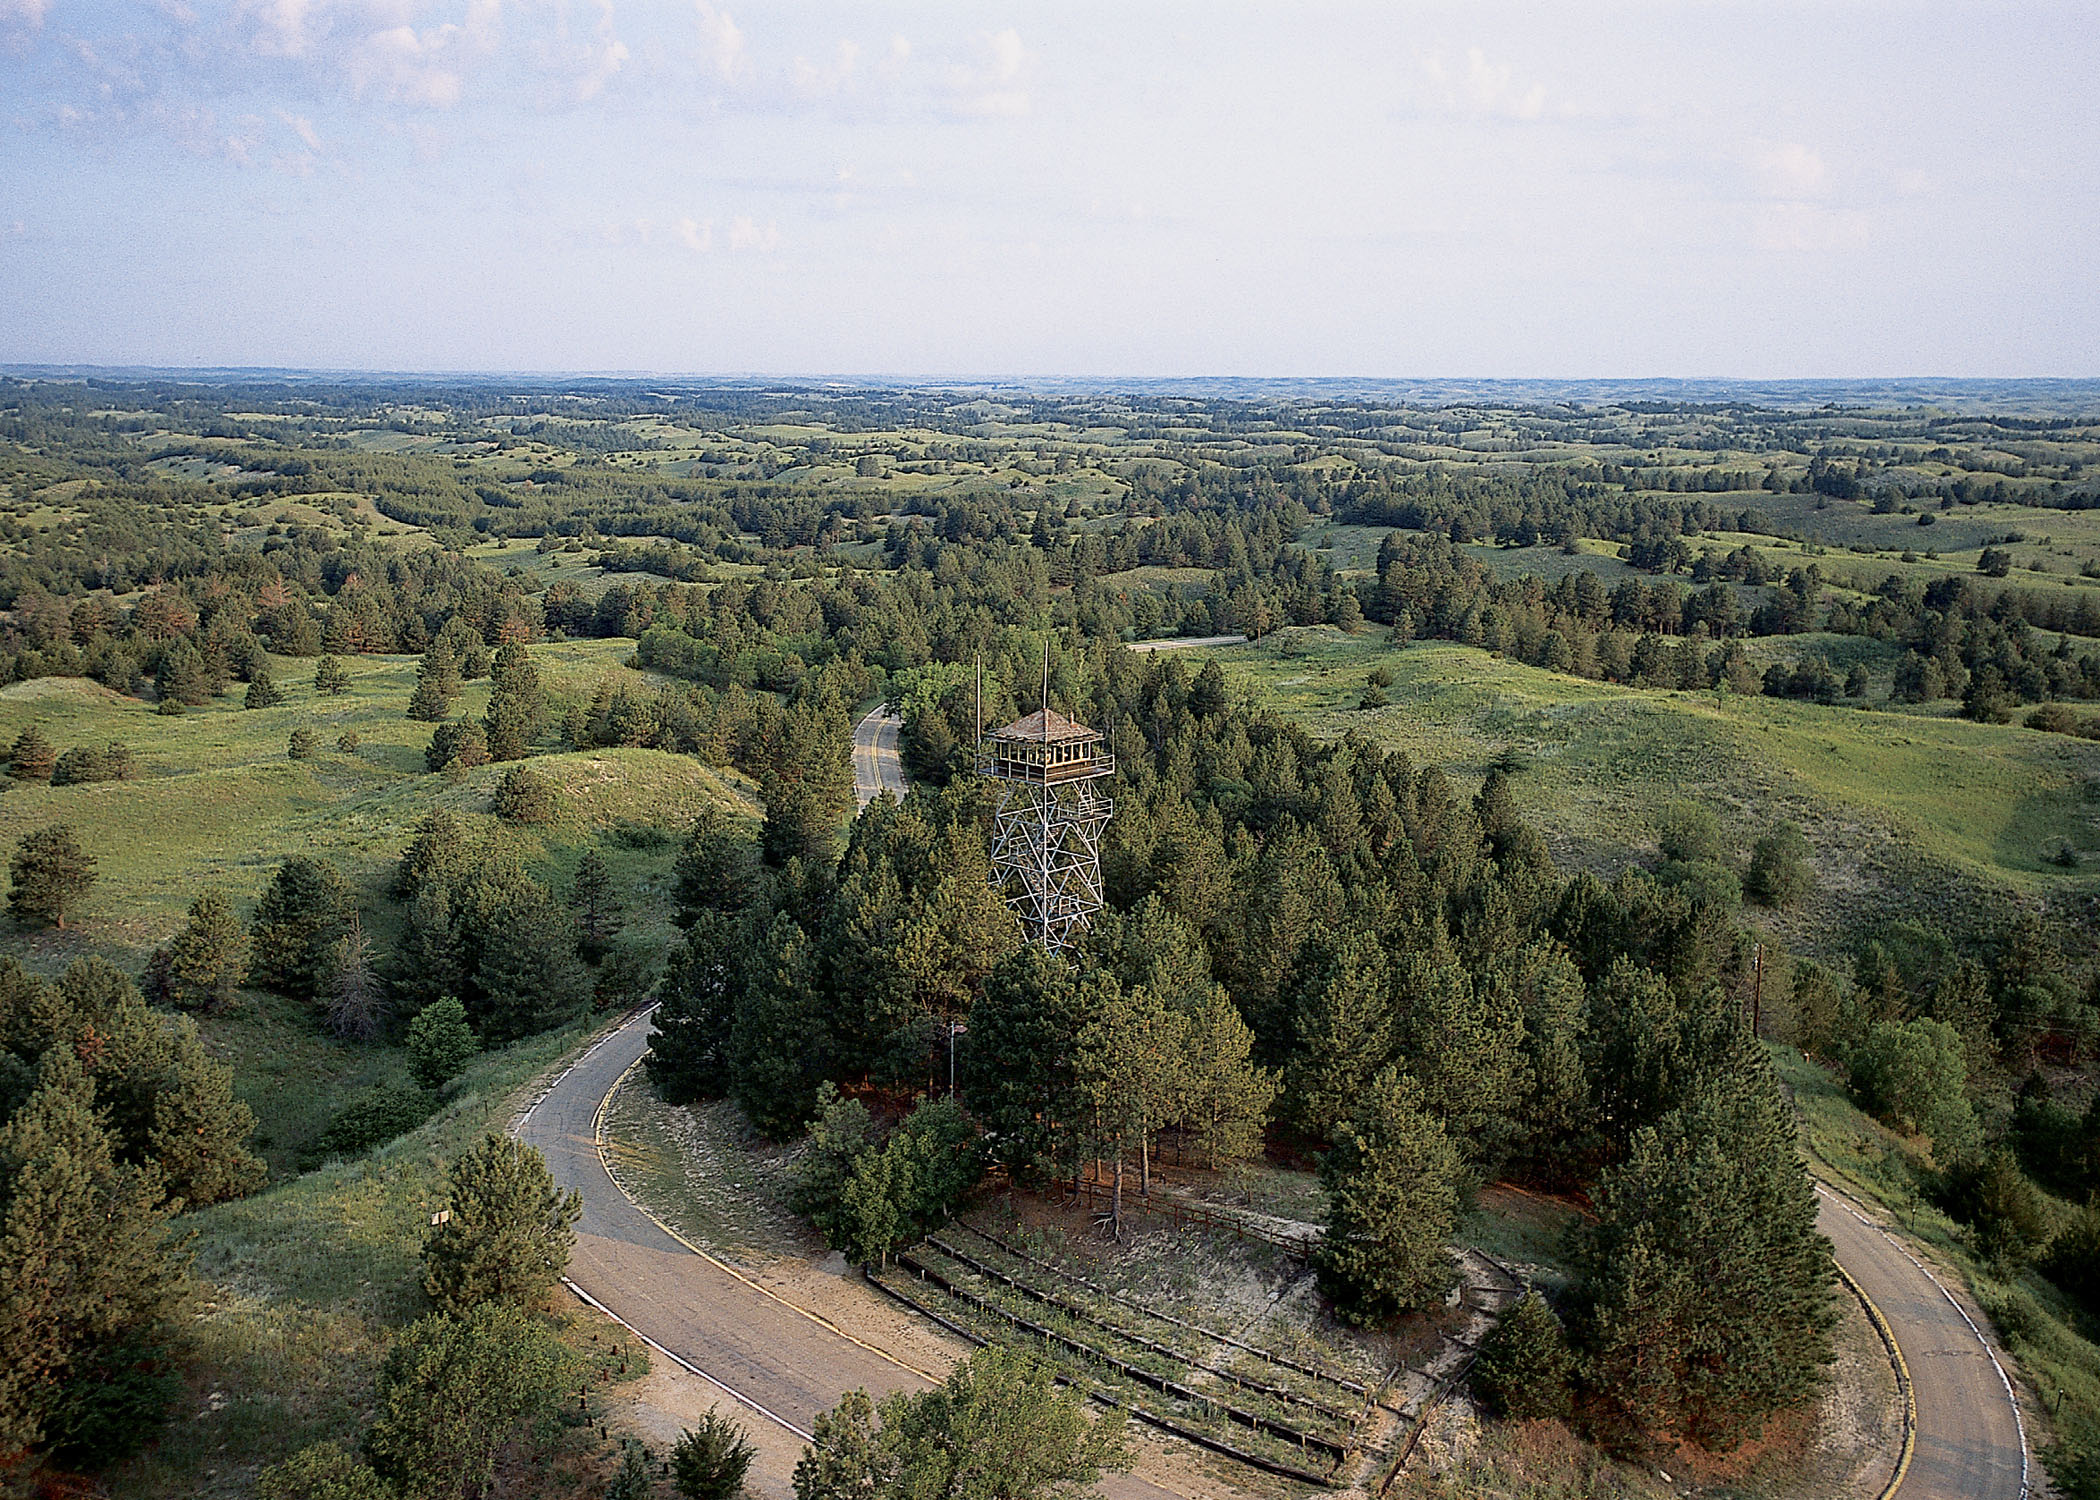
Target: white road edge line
(685, 1364)
(2012, 1397)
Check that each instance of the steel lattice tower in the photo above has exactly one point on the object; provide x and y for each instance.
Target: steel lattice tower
(1046, 830)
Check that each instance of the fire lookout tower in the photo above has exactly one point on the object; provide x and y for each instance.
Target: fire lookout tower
(1046, 831)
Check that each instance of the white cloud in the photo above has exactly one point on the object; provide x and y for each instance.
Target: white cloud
(744, 234)
(25, 15)
(282, 27)
(302, 127)
(818, 81)
(1806, 228)
(1482, 87)
(407, 65)
(1790, 170)
(696, 237)
(722, 43)
(995, 86)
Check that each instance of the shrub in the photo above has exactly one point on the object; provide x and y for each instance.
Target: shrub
(1779, 874)
(440, 1042)
(85, 763)
(464, 745)
(711, 1460)
(322, 1472)
(372, 1119)
(347, 742)
(1525, 1367)
(2053, 718)
(303, 745)
(525, 796)
(51, 874)
(509, 1233)
(262, 693)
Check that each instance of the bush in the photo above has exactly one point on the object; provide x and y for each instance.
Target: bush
(2053, 718)
(1779, 874)
(1525, 1367)
(440, 1042)
(1914, 1076)
(303, 744)
(347, 742)
(371, 1119)
(509, 1233)
(464, 745)
(525, 796)
(711, 1460)
(32, 758)
(51, 874)
(322, 1472)
(84, 763)
(1689, 833)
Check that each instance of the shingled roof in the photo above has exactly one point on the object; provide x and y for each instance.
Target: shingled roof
(1045, 726)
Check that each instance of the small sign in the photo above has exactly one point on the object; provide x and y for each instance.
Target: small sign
(442, 1216)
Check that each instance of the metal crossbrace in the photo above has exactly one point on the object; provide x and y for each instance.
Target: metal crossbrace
(1046, 857)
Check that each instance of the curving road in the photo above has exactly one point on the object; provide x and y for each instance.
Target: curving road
(877, 765)
(782, 1364)
(1969, 1445)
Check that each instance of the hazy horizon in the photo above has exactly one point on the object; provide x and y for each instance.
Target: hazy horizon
(943, 193)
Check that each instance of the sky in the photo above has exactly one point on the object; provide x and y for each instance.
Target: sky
(1481, 189)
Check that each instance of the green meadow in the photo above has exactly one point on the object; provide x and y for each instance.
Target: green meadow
(1909, 811)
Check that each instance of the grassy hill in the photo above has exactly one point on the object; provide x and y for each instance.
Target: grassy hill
(1910, 812)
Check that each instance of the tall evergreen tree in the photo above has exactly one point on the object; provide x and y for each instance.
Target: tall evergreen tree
(1018, 1064)
(51, 874)
(208, 959)
(509, 1232)
(517, 710)
(1395, 1187)
(437, 684)
(716, 869)
(1708, 1288)
(85, 1261)
(597, 906)
(331, 678)
(688, 1057)
(1343, 1030)
(779, 1043)
(440, 1042)
(298, 921)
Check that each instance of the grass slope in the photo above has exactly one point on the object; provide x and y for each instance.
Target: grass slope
(1907, 811)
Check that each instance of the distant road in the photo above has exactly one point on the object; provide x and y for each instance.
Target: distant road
(1183, 643)
(877, 765)
(1969, 1443)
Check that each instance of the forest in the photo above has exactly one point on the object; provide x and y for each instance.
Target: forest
(1343, 939)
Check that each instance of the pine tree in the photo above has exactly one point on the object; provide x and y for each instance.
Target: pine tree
(1226, 1105)
(51, 874)
(509, 1233)
(517, 710)
(1395, 1188)
(716, 869)
(302, 745)
(525, 796)
(688, 1057)
(262, 693)
(522, 983)
(597, 907)
(208, 959)
(1130, 1064)
(464, 746)
(437, 684)
(85, 1261)
(1343, 1030)
(455, 1390)
(298, 921)
(32, 758)
(634, 1479)
(778, 1043)
(331, 677)
(1017, 1071)
(1525, 1367)
(710, 1461)
(440, 1042)
(1708, 1288)
(357, 1005)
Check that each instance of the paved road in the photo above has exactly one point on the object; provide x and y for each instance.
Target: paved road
(877, 767)
(1184, 642)
(1969, 1444)
(789, 1365)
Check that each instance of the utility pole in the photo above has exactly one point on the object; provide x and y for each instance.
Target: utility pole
(955, 1029)
(1757, 989)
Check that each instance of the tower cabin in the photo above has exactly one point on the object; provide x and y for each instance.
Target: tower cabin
(1044, 749)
